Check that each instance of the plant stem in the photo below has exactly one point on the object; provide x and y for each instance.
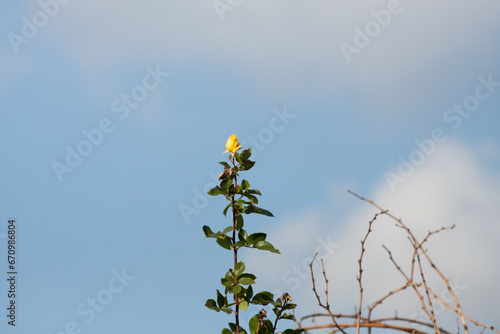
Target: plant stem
(237, 308)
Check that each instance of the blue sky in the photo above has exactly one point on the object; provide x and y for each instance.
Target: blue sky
(147, 94)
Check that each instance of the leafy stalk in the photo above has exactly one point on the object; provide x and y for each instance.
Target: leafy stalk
(243, 200)
(237, 307)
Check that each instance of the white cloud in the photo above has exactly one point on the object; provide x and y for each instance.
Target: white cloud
(286, 45)
(442, 42)
(452, 188)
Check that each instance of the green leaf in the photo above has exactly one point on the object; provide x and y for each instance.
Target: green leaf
(224, 241)
(239, 268)
(238, 190)
(239, 244)
(246, 279)
(268, 326)
(225, 282)
(246, 154)
(229, 278)
(221, 300)
(227, 229)
(225, 184)
(245, 185)
(239, 207)
(263, 298)
(226, 331)
(239, 222)
(233, 328)
(258, 210)
(242, 235)
(247, 165)
(237, 156)
(252, 198)
(253, 323)
(249, 293)
(225, 164)
(225, 210)
(211, 304)
(289, 306)
(244, 305)
(288, 316)
(242, 201)
(277, 305)
(227, 310)
(230, 275)
(254, 192)
(208, 232)
(214, 191)
(255, 237)
(294, 331)
(235, 289)
(264, 245)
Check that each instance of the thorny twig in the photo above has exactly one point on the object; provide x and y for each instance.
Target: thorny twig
(366, 322)
(429, 300)
(363, 249)
(327, 306)
(418, 246)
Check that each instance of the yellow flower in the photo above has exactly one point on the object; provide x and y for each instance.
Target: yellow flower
(232, 145)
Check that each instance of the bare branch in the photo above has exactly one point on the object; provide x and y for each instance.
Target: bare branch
(370, 325)
(419, 245)
(429, 300)
(327, 306)
(410, 279)
(340, 322)
(363, 249)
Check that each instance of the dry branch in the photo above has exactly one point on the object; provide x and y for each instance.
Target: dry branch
(405, 324)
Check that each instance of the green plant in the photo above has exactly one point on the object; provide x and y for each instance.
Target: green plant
(238, 293)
